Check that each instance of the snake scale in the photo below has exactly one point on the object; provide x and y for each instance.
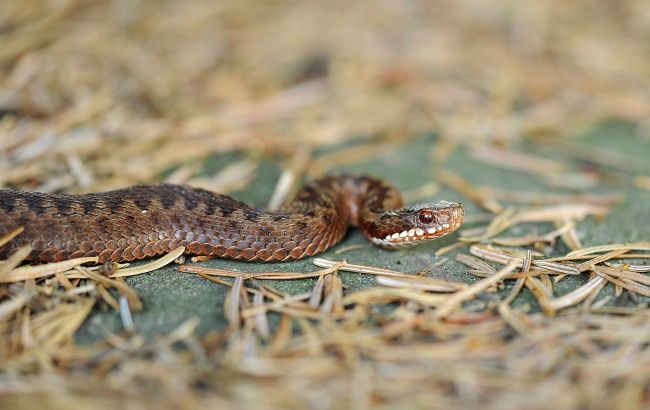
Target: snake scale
(146, 220)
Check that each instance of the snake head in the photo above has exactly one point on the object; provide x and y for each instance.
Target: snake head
(416, 224)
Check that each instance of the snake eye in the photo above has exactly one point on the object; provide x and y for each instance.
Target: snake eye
(425, 216)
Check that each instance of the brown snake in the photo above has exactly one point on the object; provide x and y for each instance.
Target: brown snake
(147, 220)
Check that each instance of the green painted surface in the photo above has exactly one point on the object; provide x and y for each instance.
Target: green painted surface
(171, 297)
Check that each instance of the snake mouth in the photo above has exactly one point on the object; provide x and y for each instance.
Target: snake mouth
(415, 236)
(423, 233)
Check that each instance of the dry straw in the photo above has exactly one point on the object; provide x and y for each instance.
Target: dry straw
(147, 92)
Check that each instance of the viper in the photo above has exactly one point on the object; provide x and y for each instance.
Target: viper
(142, 221)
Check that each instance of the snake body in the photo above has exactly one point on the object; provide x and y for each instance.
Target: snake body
(147, 220)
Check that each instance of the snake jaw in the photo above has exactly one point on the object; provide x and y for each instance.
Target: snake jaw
(421, 224)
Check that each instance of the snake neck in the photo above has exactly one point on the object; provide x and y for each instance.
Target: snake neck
(377, 209)
(357, 201)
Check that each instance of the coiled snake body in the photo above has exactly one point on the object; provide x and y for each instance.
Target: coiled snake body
(146, 220)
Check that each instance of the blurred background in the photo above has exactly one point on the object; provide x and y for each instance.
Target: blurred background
(102, 94)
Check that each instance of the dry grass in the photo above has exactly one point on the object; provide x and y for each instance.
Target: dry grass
(98, 95)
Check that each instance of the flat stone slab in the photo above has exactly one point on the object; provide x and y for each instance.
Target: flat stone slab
(171, 297)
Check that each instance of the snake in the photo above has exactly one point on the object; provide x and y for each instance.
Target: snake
(143, 221)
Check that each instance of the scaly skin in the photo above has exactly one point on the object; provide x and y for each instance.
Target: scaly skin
(147, 220)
